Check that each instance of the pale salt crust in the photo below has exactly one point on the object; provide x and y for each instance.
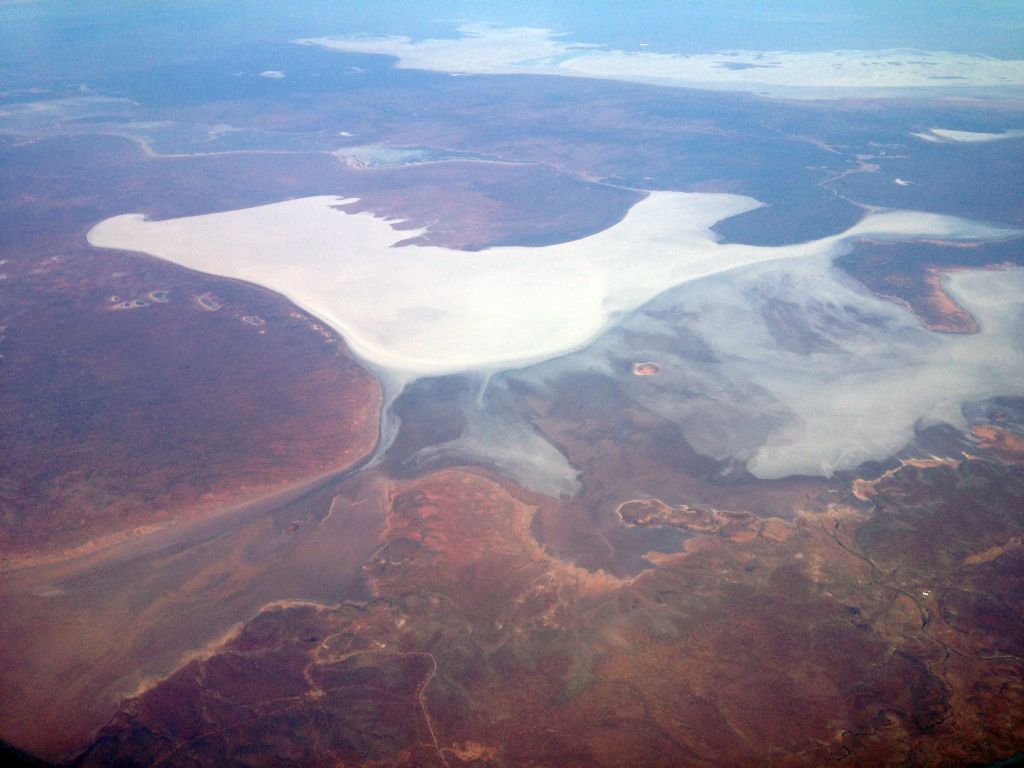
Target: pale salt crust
(867, 400)
(420, 309)
(861, 380)
(484, 49)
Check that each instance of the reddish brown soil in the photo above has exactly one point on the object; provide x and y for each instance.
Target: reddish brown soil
(876, 628)
(487, 204)
(797, 648)
(121, 420)
(808, 626)
(1000, 441)
(912, 274)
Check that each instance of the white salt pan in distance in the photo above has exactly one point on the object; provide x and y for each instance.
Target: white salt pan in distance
(484, 49)
(944, 135)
